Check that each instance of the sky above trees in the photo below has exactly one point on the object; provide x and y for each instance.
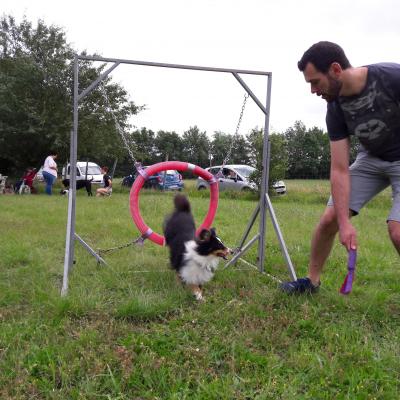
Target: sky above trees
(255, 34)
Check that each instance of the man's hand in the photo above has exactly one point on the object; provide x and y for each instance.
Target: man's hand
(348, 236)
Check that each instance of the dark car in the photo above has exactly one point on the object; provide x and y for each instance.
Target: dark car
(164, 180)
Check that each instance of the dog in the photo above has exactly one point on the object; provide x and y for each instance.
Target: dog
(87, 184)
(194, 259)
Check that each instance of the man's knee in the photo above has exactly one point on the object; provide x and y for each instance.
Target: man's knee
(328, 221)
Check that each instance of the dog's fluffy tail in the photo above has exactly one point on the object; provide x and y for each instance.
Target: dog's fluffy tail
(181, 203)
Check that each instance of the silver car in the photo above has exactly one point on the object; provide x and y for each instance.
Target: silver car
(230, 177)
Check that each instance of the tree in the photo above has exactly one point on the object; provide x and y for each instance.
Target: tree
(233, 147)
(220, 145)
(143, 144)
(240, 151)
(196, 147)
(36, 86)
(308, 152)
(168, 145)
(278, 155)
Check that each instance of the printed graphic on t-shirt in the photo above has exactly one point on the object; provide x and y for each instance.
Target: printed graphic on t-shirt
(374, 117)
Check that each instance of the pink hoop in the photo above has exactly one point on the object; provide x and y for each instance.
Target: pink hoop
(145, 230)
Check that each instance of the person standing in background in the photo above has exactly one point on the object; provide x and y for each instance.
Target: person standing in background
(50, 171)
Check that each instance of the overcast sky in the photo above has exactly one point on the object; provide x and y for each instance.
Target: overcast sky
(249, 34)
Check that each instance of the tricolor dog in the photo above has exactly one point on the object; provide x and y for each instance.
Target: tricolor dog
(194, 259)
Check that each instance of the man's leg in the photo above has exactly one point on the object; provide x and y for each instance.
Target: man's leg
(394, 233)
(321, 244)
(367, 180)
(393, 220)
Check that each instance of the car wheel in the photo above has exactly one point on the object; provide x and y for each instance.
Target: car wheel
(201, 188)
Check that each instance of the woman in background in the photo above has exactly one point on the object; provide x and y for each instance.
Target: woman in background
(50, 171)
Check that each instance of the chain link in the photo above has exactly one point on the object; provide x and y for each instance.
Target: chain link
(117, 125)
(139, 241)
(228, 155)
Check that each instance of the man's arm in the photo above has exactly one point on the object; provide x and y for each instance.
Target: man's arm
(340, 186)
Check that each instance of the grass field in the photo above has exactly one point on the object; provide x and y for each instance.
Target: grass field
(130, 331)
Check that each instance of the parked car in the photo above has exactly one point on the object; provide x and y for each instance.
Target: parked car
(164, 180)
(93, 172)
(230, 177)
(279, 187)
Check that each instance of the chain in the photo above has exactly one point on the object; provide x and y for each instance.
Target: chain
(118, 126)
(228, 155)
(139, 241)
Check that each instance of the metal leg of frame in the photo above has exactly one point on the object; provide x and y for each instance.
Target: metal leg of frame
(90, 250)
(249, 225)
(280, 238)
(242, 251)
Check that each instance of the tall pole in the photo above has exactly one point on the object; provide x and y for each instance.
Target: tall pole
(264, 180)
(70, 237)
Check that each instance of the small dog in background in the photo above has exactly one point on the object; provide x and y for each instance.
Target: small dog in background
(87, 184)
(194, 259)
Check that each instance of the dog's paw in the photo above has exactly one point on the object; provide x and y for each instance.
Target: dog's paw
(199, 297)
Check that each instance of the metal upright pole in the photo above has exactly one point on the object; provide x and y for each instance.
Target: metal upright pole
(70, 237)
(264, 180)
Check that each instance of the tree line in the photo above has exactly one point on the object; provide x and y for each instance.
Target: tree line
(36, 94)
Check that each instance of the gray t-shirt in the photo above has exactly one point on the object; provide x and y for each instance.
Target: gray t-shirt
(373, 115)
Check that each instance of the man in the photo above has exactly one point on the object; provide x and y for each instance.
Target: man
(365, 102)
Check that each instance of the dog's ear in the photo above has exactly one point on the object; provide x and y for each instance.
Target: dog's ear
(205, 235)
(213, 232)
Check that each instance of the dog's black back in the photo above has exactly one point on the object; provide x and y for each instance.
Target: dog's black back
(87, 184)
(179, 228)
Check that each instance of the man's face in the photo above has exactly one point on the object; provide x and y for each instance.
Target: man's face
(326, 85)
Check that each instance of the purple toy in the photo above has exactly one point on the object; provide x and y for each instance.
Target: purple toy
(351, 267)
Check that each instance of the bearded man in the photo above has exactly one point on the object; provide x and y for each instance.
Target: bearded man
(364, 102)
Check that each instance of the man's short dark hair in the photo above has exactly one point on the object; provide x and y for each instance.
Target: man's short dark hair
(322, 55)
(105, 169)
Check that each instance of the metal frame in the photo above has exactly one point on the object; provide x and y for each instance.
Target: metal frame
(263, 206)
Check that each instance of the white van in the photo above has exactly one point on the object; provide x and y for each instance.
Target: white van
(93, 172)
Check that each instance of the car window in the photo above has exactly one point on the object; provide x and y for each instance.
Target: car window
(92, 170)
(245, 171)
(226, 172)
(230, 173)
(214, 170)
(168, 172)
(77, 171)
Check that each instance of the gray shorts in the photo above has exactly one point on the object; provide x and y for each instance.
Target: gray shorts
(369, 176)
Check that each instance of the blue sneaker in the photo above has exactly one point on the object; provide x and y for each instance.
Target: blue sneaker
(302, 285)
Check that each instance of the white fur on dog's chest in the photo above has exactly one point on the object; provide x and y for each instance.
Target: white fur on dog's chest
(197, 269)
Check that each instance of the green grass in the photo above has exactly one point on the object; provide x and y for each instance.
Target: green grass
(130, 331)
